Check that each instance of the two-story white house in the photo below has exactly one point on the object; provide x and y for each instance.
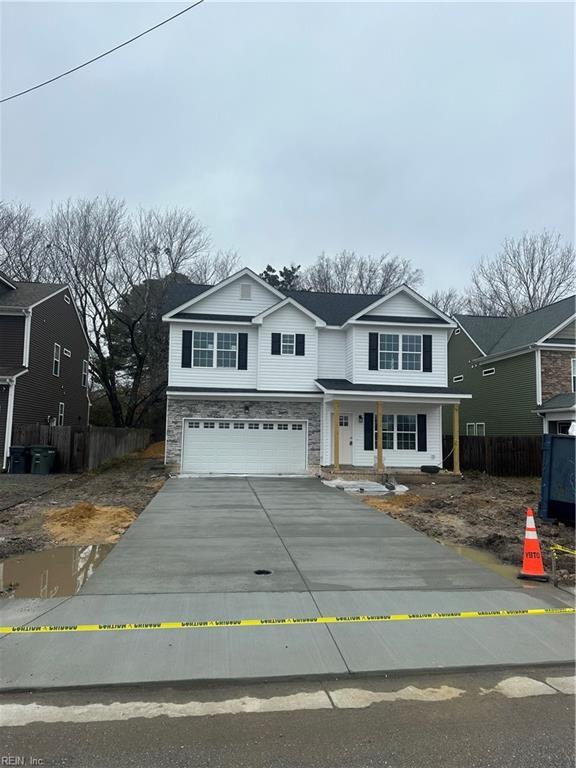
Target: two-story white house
(268, 382)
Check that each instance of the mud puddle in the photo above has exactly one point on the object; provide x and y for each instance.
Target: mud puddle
(486, 559)
(59, 572)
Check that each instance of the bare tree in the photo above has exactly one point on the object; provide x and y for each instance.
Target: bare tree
(448, 300)
(119, 268)
(346, 272)
(527, 274)
(211, 268)
(21, 243)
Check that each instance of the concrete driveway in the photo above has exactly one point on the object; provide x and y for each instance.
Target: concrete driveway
(193, 555)
(211, 535)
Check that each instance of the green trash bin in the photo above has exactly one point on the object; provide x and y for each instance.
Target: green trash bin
(41, 459)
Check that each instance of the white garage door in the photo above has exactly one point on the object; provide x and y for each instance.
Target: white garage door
(239, 446)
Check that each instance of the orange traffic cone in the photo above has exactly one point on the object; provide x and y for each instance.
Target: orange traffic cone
(532, 565)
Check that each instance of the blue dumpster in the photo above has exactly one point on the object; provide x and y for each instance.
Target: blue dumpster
(557, 496)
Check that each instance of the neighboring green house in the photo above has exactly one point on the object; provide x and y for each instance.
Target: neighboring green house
(521, 371)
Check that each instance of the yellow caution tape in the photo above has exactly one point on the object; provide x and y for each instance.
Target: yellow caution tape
(31, 630)
(560, 548)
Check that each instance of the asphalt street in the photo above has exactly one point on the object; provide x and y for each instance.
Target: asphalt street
(498, 719)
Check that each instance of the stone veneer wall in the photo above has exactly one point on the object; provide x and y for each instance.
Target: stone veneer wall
(556, 372)
(179, 408)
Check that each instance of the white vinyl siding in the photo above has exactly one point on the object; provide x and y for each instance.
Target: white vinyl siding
(331, 354)
(438, 377)
(212, 377)
(402, 305)
(392, 458)
(349, 353)
(250, 447)
(288, 372)
(228, 300)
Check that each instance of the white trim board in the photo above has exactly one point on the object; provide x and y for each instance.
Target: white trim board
(9, 420)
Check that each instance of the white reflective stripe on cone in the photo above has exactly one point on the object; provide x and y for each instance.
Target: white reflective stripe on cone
(531, 535)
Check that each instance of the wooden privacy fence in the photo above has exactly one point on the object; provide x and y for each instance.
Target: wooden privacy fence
(501, 455)
(81, 448)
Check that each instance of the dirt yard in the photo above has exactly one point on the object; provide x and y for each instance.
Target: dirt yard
(488, 513)
(92, 508)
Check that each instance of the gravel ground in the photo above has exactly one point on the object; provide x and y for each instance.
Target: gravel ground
(17, 488)
(130, 482)
(483, 512)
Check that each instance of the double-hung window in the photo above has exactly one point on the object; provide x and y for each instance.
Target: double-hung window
(288, 343)
(226, 350)
(387, 432)
(203, 349)
(400, 352)
(406, 433)
(204, 345)
(574, 374)
(389, 351)
(411, 352)
(84, 373)
(56, 361)
(60, 414)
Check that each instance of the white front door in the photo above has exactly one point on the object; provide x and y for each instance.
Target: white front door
(345, 438)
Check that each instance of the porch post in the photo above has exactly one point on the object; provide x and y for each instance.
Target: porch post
(336, 434)
(379, 455)
(456, 437)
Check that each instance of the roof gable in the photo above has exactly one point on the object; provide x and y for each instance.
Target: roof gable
(201, 293)
(403, 301)
(289, 302)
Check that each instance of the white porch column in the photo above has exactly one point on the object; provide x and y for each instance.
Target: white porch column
(379, 436)
(336, 434)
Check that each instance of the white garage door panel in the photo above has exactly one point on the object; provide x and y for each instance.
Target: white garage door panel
(244, 447)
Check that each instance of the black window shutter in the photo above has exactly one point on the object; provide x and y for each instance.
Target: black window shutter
(368, 431)
(300, 344)
(275, 343)
(242, 351)
(186, 349)
(422, 432)
(427, 352)
(372, 351)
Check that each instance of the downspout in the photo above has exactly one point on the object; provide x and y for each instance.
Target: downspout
(9, 418)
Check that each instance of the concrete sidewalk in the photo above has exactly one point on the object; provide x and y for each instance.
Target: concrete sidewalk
(193, 553)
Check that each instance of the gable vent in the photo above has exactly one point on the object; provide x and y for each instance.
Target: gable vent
(245, 291)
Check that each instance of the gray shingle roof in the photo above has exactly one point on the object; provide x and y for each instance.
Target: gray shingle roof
(10, 370)
(333, 308)
(179, 293)
(565, 401)
(27, 294)
(501, 334)
(343, 385)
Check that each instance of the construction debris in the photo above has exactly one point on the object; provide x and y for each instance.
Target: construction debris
(367, 487)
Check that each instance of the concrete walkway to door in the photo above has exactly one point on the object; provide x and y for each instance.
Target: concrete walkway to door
(195, 553)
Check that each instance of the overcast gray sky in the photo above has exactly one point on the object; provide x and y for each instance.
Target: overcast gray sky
(429, 130)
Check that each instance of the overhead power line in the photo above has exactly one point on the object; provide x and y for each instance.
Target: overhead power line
(101, 55)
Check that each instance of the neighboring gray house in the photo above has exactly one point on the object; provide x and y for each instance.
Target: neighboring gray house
(521, 371)
(43, 359)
